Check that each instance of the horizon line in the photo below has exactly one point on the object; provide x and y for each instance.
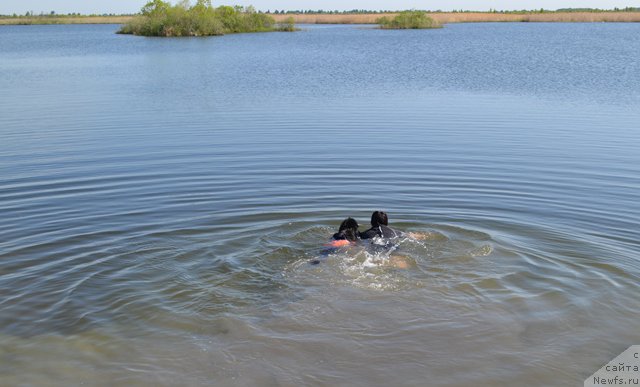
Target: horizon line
(355, 10)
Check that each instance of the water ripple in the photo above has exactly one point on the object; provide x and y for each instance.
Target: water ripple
(161, 201)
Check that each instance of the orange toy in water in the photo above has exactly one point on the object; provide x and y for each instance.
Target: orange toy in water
(339, 243)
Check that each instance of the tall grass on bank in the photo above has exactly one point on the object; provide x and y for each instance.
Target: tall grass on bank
(538, 17)
(408, 20)
(471, 17)
(360, 18)
(64, 19)
(160, 18)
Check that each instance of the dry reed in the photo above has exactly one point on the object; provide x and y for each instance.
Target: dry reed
(370, 18)
(65, 20)
(472, 17)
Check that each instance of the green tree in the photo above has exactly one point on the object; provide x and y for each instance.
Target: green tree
(202, 6)
(159, 18)
(155, 7)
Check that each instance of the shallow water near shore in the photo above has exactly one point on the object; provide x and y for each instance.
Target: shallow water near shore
(161, 201)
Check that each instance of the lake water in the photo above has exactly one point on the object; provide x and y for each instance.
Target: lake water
(161, 199)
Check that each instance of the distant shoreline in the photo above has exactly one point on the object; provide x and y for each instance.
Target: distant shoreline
(41, 20)
(472, 17)
(370, 18)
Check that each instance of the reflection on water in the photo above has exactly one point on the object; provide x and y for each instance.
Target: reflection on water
(161, 201)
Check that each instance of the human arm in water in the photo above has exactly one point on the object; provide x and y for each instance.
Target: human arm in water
(400, 262)
(338, 243)
(331, 247)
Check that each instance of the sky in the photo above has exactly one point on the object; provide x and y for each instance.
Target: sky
(8, 7)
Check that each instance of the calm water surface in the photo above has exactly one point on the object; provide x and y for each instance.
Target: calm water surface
(160, 201)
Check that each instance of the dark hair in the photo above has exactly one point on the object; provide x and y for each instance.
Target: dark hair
(379, 218)
(348, 230)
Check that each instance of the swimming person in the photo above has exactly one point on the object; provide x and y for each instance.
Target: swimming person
(347, 234)
(383, 237)
(380, 227)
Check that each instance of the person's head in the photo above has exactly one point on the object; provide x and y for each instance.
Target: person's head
(379, 218)
(348, 230)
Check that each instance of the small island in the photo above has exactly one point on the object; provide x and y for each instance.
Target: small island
(408, 20)
(160, 18)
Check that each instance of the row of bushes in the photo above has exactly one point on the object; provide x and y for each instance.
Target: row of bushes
(160, 18)
(408, 20)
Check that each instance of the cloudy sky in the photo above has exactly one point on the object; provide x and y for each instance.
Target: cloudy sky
(132, 6)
